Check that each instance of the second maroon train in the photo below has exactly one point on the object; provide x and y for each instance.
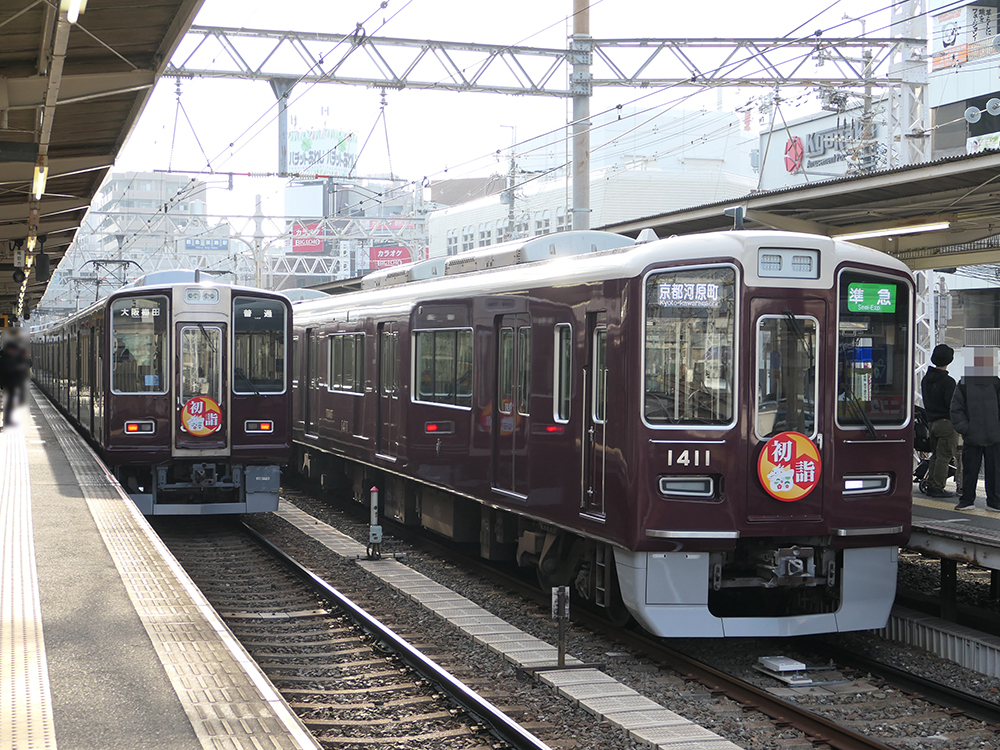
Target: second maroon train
(709, 433)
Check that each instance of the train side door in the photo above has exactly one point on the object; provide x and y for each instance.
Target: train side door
(595, 415)
(786, 411)
(387, 443)
(202, 407)
(308, 381)
(511, 426)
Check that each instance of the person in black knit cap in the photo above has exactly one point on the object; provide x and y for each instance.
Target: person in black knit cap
(937, 388)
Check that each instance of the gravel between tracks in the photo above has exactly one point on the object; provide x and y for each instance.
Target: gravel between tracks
(575, 728)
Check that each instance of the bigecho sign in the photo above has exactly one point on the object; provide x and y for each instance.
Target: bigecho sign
(388, 256)
(789, 467)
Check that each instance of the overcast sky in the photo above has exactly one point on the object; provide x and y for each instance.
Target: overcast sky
(431, 132)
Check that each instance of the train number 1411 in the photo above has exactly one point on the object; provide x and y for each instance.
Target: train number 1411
(689, 458)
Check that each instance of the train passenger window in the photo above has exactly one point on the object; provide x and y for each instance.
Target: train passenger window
(201, 362)
(389, 362)
(524, 370)
(444, 366)
(873, 357)
(690, 339)
(506, 395)
(258, 345)
(786, 375)
(563, 372)
(600, 375)
(347, 362)
(139, 345)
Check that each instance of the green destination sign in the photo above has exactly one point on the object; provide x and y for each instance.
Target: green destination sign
(878, 298)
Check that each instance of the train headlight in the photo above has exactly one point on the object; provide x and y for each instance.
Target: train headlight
(686, 486)
(867, 484)
(258, 426)
(143, 427)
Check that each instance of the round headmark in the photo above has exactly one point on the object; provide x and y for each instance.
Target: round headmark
(201, 416)
(789, 466)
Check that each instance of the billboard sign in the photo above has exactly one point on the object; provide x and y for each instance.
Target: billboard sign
(963, 35)
(307, 238)
(323, 151)
(386, 256)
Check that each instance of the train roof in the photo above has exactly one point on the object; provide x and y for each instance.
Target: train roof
(577, 258)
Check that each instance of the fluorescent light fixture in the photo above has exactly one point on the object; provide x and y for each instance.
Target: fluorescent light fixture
(38, 183)
(893, 231)
(30, 244)
(73, 9)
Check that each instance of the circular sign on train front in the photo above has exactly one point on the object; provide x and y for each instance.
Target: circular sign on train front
(201, 416)
(789, 466)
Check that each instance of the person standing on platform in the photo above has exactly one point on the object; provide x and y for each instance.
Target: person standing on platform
(10, 366)
(975, 412)
(937, 388)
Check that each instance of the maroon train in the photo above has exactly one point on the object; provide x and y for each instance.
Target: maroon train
(709, 433)
(181, 385)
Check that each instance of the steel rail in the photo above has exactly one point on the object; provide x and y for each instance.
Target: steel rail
(499, 724)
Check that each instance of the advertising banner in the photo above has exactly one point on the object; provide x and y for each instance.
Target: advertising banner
(307, 238)
(323, 151)
(386, 256)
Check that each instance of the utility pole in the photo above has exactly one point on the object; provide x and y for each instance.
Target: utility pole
(581, 53)
(258, 244)
(508, 194)
(282, 88)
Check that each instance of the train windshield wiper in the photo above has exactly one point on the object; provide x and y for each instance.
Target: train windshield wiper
(240, 374)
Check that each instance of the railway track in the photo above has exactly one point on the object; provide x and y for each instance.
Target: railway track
(353, 682)
(857, 711)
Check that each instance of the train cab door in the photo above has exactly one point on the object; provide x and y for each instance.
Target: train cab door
(595, 415)
(786, 410)
(511, 426)
(388, 391)
(202, 405)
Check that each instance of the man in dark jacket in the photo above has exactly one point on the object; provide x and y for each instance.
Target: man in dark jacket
(975, 412)
(937, 388)
(15, 363)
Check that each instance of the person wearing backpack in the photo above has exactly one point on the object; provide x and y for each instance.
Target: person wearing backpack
(975, 412)
(937, 389)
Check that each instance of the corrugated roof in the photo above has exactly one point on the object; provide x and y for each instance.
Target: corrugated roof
(113, 56)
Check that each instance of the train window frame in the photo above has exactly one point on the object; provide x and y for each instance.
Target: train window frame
(907, 390)
(735, 347)
(599, 386)
(219, 394)
(286, 314)
(817, 356)
(357, 385)
(562, 373)
(166, 350)
(524, 371)
(416, 375)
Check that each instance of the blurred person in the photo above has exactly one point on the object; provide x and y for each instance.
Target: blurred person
(975, 413)
(937, 389)
(15, 363)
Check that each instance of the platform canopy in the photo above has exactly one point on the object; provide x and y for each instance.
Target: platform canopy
(940, 214)
(70, 94)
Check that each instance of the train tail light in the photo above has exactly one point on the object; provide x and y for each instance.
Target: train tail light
(439, 428)
(258, 426)
(143, 427)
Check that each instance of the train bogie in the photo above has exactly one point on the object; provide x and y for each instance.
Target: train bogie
(709, 433)
(182, 386)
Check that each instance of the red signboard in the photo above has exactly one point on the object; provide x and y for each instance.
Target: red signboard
(305, 239)
(386, 256)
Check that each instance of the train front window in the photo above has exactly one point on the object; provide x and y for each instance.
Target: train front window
(258, 345)
(139, 345)
(786, 375)
(690, 340)
(201, 363)
(873, 367)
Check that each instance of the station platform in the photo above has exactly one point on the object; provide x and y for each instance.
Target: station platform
(970, 536)
(104, 640)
